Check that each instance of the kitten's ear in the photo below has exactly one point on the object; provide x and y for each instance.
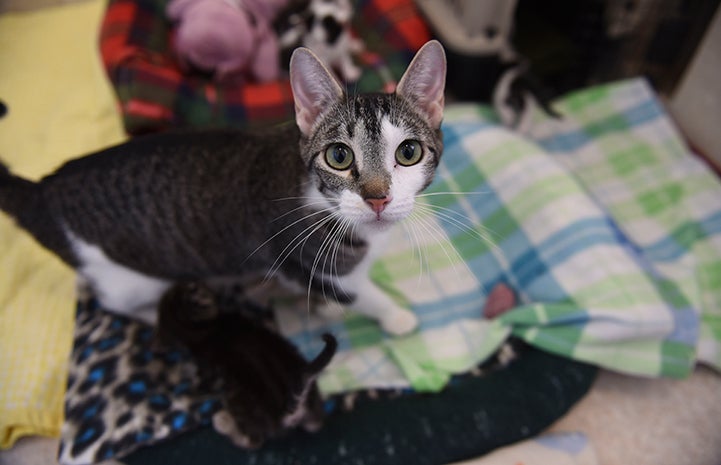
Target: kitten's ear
(424, 81)
(314, 88)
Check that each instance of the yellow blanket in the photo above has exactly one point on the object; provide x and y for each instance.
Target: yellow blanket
(60, 106)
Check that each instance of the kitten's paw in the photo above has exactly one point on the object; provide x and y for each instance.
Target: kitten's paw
(312, 425)
(330, 310)
(224, 424)
(399, 322)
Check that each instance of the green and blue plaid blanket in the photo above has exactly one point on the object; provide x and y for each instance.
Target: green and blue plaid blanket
(605, 225)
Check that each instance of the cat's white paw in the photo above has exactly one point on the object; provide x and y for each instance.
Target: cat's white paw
(399, 322)
(331, 310)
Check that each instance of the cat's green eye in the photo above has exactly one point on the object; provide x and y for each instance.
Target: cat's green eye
(409, 153)
(339, 156)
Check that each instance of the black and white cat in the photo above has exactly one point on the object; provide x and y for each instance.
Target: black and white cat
(311, 203)
(324, 26)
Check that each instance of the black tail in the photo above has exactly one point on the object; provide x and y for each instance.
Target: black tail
(18, 196)
(23, 200)
(324, 357)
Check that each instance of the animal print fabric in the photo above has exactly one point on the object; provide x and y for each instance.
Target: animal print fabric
(124, 391)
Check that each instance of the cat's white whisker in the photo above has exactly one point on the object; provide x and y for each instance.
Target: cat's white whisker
(300, 240)
(305, 205)
(297, 240)
(324, 250)
(267, 241)
(478, 228)
(409, 227)
(473, 229)
(335, 246)
(456, 193)
(330, 236)
(452, 217)
(440, 237)
(413, 230)
(296, 197)
(349, 225)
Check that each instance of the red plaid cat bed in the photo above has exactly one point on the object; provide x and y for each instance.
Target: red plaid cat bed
(155, 94)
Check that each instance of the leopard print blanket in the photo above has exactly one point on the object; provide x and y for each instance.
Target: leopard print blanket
(125, 391)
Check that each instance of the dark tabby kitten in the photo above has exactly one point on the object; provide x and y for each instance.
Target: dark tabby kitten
(268, 387)
(309, 203)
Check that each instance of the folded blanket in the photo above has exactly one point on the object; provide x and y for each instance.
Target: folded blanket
(625, 151)
(55, 90)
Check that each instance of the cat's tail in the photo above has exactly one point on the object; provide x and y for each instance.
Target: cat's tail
(324, 357)
(23, 200)
(16, 194)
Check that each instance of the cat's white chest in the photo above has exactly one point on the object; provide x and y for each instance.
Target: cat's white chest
(369, 299)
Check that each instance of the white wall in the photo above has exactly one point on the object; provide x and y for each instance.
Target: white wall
(696, 103)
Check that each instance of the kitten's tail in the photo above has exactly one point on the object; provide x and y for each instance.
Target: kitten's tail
(24, 201)
(324, 357)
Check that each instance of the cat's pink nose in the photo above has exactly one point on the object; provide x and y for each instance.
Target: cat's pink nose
(378, 205)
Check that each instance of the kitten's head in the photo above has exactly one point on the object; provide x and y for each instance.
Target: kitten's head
(370, 155)
(187, 313)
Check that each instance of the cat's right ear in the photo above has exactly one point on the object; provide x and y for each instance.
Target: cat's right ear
(314, 88)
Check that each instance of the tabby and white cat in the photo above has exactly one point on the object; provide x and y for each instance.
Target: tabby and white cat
(310, 202)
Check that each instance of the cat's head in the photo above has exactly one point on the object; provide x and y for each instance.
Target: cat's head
(369, 155)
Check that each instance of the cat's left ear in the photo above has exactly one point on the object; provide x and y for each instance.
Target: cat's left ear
(314, 88)
(424, 82)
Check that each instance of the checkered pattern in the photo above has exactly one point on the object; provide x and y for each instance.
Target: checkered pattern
(611, 237)
(155, 94)
(667, 204)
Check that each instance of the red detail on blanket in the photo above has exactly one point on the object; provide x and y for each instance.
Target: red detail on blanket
(147, 110)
